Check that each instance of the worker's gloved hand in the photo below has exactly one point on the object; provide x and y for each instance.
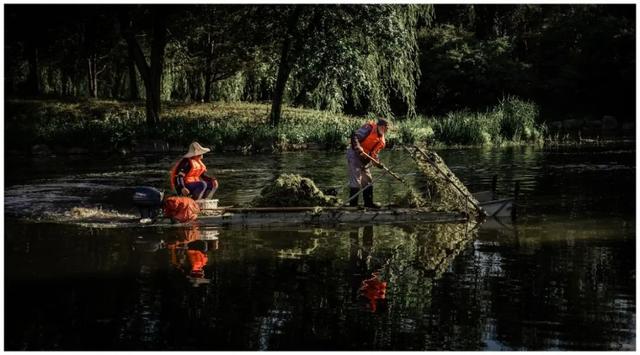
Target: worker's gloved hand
(377, 164)
(362, 155)
(185, 191)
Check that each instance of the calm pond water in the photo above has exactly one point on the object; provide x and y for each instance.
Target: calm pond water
(561, 278)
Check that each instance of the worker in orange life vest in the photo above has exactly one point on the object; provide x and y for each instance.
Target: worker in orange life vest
(189, 178)
(367, 139)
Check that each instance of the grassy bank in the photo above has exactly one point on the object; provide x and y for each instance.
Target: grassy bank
(120, 126)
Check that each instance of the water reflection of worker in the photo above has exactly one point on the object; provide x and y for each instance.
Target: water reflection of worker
(360, 256)
(370, 286)
(361, 265)
(188, 253)
(357, 265)
(197, 256)
(375, 290)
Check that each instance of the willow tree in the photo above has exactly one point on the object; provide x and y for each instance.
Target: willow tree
(366, 52)
(151, 72)
(218, 42)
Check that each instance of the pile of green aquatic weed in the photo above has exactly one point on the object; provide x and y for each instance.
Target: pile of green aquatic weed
(410, 199)
(439, 188)
(292, 190)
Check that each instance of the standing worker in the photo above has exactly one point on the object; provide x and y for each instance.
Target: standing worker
(368, 139)
(189, 178)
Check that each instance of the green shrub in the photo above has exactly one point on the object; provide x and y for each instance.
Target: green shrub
(109, 125)
(518, 119)
(512, 120)
(412, 131)
(462, 127)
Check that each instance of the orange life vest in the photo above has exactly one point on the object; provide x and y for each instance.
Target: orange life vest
(198, 261)
(373, 143)
(181, 209)
(197, 168)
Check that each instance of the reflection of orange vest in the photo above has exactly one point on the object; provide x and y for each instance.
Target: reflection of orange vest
(373, 289)
(190, 234)
(373, 143)
(184, 236)
(197, 168)
(197, 259)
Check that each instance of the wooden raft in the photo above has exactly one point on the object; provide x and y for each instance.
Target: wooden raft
(286, 216)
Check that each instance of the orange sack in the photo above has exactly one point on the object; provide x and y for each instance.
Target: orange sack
(181, 209)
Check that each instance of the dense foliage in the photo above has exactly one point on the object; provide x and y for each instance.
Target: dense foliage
(572, 61)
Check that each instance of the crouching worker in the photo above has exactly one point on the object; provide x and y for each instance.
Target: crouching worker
(189, 178)
(152, 204)
(367, 139)
(149, 202)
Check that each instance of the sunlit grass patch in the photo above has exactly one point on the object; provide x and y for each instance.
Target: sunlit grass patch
(111, 125)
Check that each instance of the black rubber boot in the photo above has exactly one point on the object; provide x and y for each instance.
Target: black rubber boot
(354, 202)
(367, 196)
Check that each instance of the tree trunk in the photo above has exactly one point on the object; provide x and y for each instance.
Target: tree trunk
(151, 74)
(284, 68)
(157, 64)
(33, 78)
(116, 88)
(485, 21)
(152, 105)
(278, 92)
(207, 85)
(133, 78)
(208, 75)
(89, 75)
(93, 75)
(194, 87)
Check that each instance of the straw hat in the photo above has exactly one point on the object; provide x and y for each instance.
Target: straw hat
(196, 149)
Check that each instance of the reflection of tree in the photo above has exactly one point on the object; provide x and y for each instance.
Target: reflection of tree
(559, 287)
(318, 301)
(297, 252)
(59, 283)
(139, 326)
(257, 293)
(420, 256)
(163, 289)
(359, 255)
(330, 316)
(524, 293)
(560, 292)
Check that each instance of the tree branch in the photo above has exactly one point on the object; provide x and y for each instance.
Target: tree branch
(134, 47)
